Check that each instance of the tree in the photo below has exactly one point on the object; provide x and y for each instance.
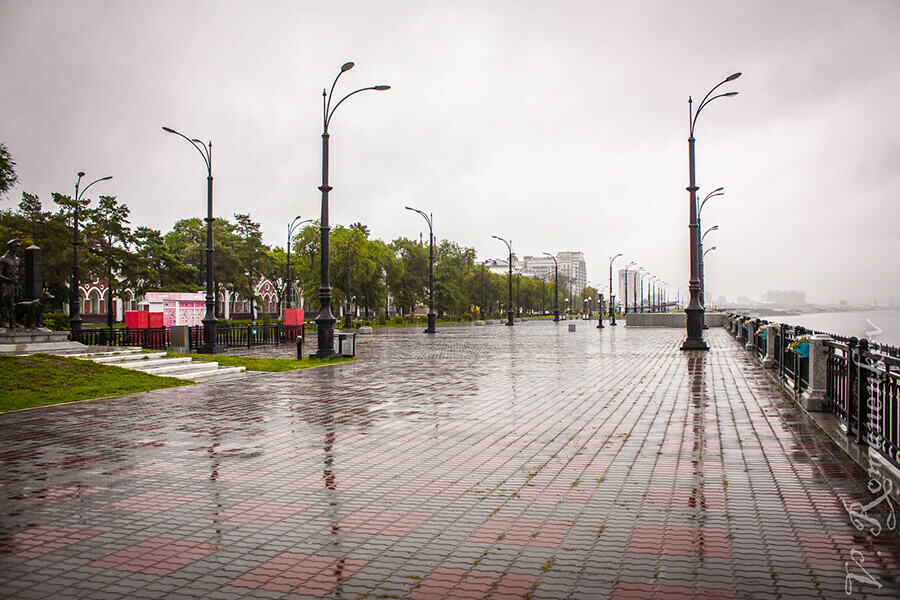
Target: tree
(158, 267)
(8, 177)
(452, 265)
(108, 239)
(407, 274)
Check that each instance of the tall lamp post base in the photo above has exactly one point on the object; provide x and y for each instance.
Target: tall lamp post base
(694, 339)
(431, 323)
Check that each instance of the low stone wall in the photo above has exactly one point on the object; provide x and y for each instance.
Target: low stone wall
(668, 320)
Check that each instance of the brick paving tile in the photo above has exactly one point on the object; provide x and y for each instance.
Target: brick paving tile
(482, 462)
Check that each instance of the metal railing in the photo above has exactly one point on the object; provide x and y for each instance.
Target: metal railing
(862, 386)
(227, 336)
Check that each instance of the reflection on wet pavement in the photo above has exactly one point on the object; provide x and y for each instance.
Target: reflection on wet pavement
(482, 462)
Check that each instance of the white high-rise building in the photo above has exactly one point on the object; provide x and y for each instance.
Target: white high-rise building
(571, 265)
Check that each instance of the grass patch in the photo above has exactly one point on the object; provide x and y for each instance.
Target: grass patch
(272, 365)
(44, 379)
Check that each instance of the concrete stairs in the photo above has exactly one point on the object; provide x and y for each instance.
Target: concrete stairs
(158, 363)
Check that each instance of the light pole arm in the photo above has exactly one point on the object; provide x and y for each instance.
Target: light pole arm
(328, 115)
(204, 152)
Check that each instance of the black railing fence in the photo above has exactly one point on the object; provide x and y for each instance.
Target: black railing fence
(862, 379)
(227, 336)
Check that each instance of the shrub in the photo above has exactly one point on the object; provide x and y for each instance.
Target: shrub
(468, 317)
(398, 320)
(56, 321)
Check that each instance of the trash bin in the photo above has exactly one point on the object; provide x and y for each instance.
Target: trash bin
(346, 343)
(181, 338)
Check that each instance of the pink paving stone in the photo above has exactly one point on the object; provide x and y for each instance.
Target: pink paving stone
(642, 591)
(254, 511)
(60, 493)
(156, 556)
(686, 498)
(427, 488)
(333, 481)
(556, 492)
(306, 574)
(521, 532)
(680, 540)
(152, 502)
(475, 584)
(152, 468)
(384, 522)
(238, 474)
(43, 539)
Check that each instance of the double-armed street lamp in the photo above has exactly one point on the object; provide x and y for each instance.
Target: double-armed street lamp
(209, 320)
(555, 288)
(612, 297)
(325, 319)
(293, 226)
(695, 310)
(509, 309)
(75, 320)
(429, 218)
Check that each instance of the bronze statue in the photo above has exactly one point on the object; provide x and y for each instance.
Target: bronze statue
(31, 312)
(9, 282)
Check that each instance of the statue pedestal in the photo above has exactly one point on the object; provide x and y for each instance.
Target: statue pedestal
(32, 341)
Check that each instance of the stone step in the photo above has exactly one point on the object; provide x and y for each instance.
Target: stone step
(166, 368)
(159, 363)
(216, 374)
(138, 357)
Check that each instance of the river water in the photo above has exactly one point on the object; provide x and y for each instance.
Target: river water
(882, 326)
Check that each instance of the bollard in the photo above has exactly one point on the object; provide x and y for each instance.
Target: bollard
(299, 347)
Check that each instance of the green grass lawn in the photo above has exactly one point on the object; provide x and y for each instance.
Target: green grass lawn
(43, 379)
(264, 364)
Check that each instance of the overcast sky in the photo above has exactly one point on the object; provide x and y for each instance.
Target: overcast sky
(560, 125)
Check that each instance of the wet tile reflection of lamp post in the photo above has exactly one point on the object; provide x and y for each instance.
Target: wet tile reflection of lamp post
(694, 339)
(325, 319)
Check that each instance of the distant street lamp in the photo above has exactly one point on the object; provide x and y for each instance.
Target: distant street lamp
(555, 288)
(290, 284)
(209, 320)
(429, 218)
(481, 308)
(600, 309)
(612, 297)
(75, 320)
(632, 263)
(695, 310)
(702, 258)
(651, 295)
(509, 309)
(703, 280)
(325, 319)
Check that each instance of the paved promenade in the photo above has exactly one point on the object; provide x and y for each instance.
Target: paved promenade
(483, 462)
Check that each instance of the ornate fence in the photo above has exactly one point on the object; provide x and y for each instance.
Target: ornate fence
(854, 380)
(227, 336)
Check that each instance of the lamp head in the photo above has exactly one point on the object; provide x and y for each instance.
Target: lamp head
(346, 66)
(169, 130)
(382, 88)
(106, 178)
(81, 173)
(733, 76)
(730, 94)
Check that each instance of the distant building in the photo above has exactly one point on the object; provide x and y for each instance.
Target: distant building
(785, 297)
(571, 265)
(501, 267)
(633, 286)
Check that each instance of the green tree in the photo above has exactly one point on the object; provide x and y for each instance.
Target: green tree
(453, 263)
(8, 177)
(407, 274)
(158, 267)
(108, 240)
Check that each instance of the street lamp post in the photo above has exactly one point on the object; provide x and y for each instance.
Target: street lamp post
(694, 339)
(325, 319)
(555, 288)
(481, 308)
(509, 309)
(429, 218)
(600, 309)
(702, 269)
(347, 312)
(209, 320)
(626, 286)
(703, 280)
(75, 320)
(612, 297)
(290, 287)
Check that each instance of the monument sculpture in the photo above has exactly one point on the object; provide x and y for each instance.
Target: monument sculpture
(9, 284)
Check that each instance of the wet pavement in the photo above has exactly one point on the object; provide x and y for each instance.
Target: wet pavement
(483, 462)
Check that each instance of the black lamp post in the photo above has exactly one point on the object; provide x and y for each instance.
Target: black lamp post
(290, 287)
(481, 308)
(626, 286)
(612, 297)
(429, 218)
(600, 309)
(75, 320)
(703, 279)
(209, 320)
(347, 312)
(555, 288)
(509, 309)
(694, 310)
(325, 319)
(702, 265)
